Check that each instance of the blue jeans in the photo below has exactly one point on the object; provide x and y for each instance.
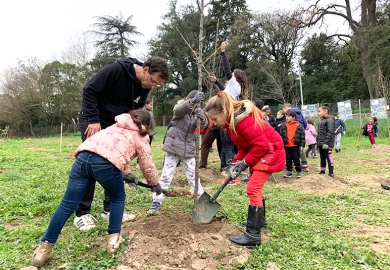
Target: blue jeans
(88, 168)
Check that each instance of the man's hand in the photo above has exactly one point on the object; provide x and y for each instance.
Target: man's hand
(223, 46)
(92, 129)
(197, 98)
(344, 132)
(325, 147)
(131, 180)
(157, 189)
(236, 168)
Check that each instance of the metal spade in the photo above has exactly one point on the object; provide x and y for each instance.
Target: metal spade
(206, 206)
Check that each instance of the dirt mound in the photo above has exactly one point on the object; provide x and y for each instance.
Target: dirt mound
(172, 241)
(322, 183)
(317, 183)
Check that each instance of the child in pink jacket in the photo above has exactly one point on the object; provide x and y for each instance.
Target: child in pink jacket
(310, 140)
(104, 157)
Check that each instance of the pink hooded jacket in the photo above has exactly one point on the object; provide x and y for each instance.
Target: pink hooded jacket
(309, 135)
(119, 144)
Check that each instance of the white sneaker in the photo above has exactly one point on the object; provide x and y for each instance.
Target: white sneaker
(126, 217)
(85, 222)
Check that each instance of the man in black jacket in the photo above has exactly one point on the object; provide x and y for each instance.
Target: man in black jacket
(119, 87)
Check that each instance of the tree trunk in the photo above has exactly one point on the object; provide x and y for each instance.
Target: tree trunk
(31, 128)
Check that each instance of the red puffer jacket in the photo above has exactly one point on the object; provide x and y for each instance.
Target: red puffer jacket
(261, 146)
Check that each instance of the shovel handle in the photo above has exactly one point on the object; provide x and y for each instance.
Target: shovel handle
(216, 194)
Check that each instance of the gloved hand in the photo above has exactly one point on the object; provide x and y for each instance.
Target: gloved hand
(197, 98)
(236, 168)
(344, 132)
(131, 180)
(200, 114)
(157, 189)
(325, 147)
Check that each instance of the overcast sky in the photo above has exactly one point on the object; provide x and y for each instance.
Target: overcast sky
(43, 28)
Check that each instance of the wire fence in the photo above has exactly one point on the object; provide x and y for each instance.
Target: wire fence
(363, 112)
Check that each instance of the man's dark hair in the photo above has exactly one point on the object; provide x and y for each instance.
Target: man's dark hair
(148, 101)
(259, 104)
(291, 112)
(158, 65)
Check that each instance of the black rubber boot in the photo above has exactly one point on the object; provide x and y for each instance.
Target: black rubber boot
(264, 225)
(251, 238)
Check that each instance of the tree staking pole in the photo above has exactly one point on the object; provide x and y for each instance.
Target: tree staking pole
(200, 65)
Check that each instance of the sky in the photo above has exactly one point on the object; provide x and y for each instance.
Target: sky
(43, 28)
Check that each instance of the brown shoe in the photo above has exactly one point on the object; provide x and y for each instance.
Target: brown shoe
(43, 254)
(113, 242)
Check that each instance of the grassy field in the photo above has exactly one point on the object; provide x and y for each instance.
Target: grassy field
(305, 227)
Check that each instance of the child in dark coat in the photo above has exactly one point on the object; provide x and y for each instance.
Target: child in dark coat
(325, 139)
(371, 130)
(293, 136)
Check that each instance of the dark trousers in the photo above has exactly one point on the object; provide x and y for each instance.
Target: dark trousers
(86, 202)
(312, 148)
(326, 156)
(292, 156)
(228, 148)
(212, 134)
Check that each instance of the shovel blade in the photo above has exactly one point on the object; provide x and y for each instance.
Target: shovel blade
(204, 209)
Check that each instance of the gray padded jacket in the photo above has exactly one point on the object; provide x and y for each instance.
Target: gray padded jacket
(180, 138)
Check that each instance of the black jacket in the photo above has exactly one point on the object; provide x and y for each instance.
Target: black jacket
(365, 133)
(112, 91)
(299, 137)
(278, 121)
(326, 132)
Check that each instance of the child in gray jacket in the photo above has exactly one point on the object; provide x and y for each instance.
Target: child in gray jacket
(180, 144)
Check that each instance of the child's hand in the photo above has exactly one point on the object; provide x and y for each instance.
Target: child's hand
(213, 79)
(223, 46)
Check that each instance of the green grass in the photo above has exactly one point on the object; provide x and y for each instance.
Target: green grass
(306, 228)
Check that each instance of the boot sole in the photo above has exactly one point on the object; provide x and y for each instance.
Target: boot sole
(36, 264)
(248, 247)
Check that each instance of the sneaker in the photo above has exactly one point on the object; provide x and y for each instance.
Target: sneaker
(288, 174)
(322, 172)
(331, 175)
(337, 150)
(299, 174)
(126, 217)
(154, 207)
(314, 156)
(85, 222)
(42, 255)
(234, 182)
(305, 169)
(245, 179)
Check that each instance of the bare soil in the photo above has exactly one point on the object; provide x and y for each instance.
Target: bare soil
(171, 241)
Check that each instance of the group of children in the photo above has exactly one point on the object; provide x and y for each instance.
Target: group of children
(104, 157)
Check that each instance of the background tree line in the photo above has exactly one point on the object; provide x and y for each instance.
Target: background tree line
(274, 48)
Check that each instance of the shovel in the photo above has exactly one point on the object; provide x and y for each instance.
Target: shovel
(206, 206)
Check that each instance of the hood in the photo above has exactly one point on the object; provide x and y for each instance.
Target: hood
(127, 64)
(297, 110)
(125, 121)
(246, 110)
